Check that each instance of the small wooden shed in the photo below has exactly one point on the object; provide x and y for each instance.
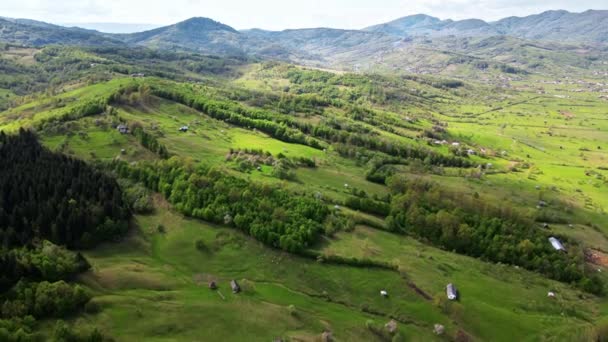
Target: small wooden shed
(235, 286)
(451, 292)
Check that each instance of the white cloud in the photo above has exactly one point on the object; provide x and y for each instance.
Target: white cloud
(278, 14)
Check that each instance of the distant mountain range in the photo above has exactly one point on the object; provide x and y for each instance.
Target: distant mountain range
(113, 27)
(589, 26)
(417, 43)
(37, 33)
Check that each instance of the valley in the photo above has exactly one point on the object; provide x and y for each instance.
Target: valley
(342, 194)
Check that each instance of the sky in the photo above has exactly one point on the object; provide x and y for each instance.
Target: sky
(274, 14)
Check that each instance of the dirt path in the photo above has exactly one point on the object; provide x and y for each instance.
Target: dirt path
(596, 257)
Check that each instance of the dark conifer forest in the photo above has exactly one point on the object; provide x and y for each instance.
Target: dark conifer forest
(44, 195)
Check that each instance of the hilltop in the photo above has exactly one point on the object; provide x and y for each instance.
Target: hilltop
(418, 43)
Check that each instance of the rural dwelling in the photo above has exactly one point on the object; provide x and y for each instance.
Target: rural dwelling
(139, 74)
(556, 244)
(212, 285)
(183, 129)
(123, 129)
(451, 292)
(235, 286)
(470, 152)
(383, 293)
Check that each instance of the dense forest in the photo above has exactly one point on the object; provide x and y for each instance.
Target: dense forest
(51, 196)
(47, 201)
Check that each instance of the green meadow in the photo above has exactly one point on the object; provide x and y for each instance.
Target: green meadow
(153, 283)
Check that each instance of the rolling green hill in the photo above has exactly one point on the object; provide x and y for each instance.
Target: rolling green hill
(342, 203)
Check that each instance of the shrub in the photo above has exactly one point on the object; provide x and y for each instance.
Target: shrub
(92, 307)
(200, 245)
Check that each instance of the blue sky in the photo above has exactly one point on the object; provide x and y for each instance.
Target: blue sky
(278, 14)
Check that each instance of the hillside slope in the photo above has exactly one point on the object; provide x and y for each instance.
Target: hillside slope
(414, 44)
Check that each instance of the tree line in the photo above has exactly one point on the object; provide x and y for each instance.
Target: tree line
(237, 115)
(270, 214)
(286, 129)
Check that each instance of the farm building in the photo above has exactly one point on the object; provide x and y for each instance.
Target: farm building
(451, 291)
(212, 285)
(383, 293)
(556, 244)
(470, 152)
(123, 129)
(235, 286)
(183, 129)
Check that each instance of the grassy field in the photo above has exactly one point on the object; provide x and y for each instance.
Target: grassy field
(491, 295)
(154, 285)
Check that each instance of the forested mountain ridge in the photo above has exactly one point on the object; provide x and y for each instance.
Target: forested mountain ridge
(202, 34)
(414, 44)
(590, 26)
(33, 33)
